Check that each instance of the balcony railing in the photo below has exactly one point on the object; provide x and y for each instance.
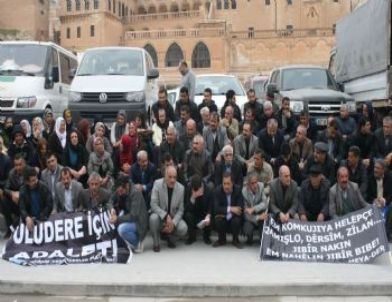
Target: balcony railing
(162, 16)
(174, 33)
(288, 33)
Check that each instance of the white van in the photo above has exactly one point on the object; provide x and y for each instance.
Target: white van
(112, 78)
(34, 76)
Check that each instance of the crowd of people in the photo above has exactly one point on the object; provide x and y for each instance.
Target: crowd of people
(197, 168)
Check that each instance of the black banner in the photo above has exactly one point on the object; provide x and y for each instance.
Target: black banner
(66, 238)
(355, 238)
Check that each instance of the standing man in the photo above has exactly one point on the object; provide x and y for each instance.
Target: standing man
(129, 213)
(67, 192)
(208, 101)
(344, 196)
(163, 103)
(284, 196)
(188, 79)
(35, 200)
(314, 196)
(186, 101)
(253, 104)
(229, 206)
(256, 205)
(167, 206)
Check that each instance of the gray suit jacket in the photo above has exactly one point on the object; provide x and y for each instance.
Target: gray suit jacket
(76, 188)
(290, 202)
(102, 201)
(209, 138)
(159, 201)
(258, 201)
(46, 178)
(240, 147)
(336, 202)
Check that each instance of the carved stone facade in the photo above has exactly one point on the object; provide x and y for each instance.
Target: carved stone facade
(231, 36)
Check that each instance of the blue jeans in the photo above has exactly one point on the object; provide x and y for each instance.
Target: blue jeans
(128, 232)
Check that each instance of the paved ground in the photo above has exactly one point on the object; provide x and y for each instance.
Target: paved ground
(198, 271)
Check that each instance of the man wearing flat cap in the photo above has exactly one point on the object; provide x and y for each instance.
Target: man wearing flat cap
(314, 196)
(324, 160)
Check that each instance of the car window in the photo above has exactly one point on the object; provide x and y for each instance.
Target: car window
(218, 84)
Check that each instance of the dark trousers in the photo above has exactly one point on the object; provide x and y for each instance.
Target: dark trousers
(9, 208)
(192, 219)
(224, 226)
(249, 228)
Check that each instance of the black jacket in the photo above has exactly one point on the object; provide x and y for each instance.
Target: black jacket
(236, 172)
(328, 169)
(271, 150)
(387, 188)
(46, 202)
(310, 207)
(168, 109)
(202, 205)
(220, 200)
(195, 115)
(212, 106)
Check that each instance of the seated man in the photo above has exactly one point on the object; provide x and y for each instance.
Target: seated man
(51, 175)
(228, 164)
(262, 169)
(284, 196)
(228, 206)
(35, 200)
(324, 160)
(167, 206)
(344, 196)
(129, 213)
(301, 146)
(271, 140)
(245, 145)
(142, 175)
(215, 136)
(67, 192)
(198, 203)
(173, 146)
(314, 196)
(10, 199)
(256, 205)
(95, 197)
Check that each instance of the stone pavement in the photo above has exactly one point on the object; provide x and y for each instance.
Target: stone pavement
(200, 271)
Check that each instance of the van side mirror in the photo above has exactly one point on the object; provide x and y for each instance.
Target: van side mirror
(153, 74)
(341, 87)
(272, 89)
(72, 73)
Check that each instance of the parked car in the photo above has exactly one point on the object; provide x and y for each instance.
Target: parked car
(33, 78)
(258, 83)
(112, 78)
(312, 88)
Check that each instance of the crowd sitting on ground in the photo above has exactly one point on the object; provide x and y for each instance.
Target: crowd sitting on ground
(197, 169)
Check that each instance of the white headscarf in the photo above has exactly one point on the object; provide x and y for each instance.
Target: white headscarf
(27, 124)
(62, 136)
(41, 123)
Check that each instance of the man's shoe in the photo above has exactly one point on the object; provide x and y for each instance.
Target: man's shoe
(156, 248)
(207, 240)
(219, 243)
(170, 243)
(237, 244)
(140, 248)
(190, 240)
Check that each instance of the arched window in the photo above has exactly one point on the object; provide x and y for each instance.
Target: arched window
(69, 5)
(151, 50)
(185, 7)
(233, 4)
(174, 8)
(141, 10)
(114, 6)
(226, 4)
(86, 4)
(109, 5)
(219, 4)
(152, 10)
(201, 56)
(163, 8)
(197, 5)
(173, 55)
(77, 4)
(96, 4)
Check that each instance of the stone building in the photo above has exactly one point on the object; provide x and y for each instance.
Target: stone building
(232, 36)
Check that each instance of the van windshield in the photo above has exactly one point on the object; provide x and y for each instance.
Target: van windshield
(112, 62)
(19, 59)
(307, 78)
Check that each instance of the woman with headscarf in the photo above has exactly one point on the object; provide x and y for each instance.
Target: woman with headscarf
(67, 115)
(84, 129)
(99, 131)
(367, 112)
(119, 128)
(38, 131)
(26, 129)
(125, 155)
(76, 157)
(6, 131)
(58, 139)
(42, 152)
(100, 161)
(49, 122)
